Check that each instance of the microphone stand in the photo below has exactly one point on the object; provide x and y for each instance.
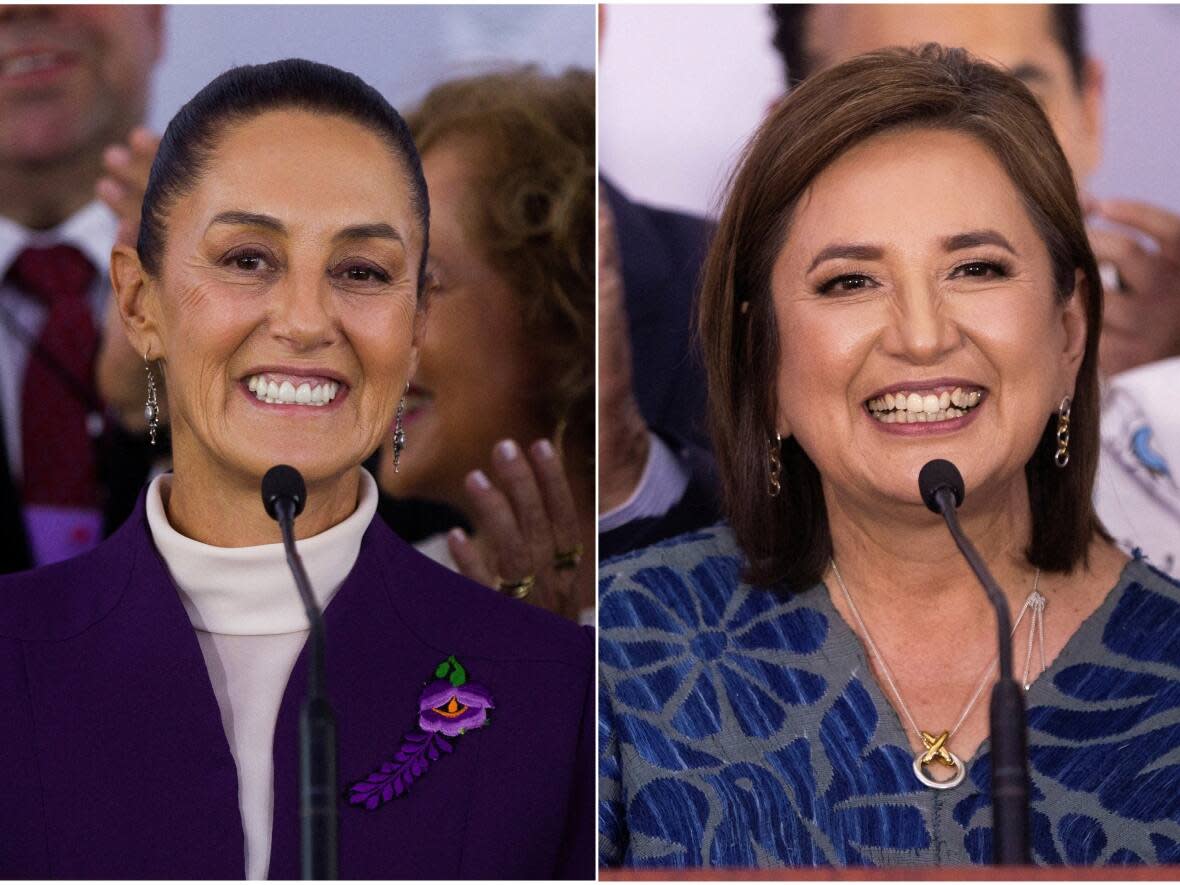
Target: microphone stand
(319, 851)
(1008, 730)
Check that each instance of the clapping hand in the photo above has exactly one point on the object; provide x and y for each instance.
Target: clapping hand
(1141, 323)
(527, 535)
(122, 187)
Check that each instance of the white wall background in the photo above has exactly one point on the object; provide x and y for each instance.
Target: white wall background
(682, 87)
(400, 50)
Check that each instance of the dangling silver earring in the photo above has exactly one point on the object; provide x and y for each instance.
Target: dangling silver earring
(775, 464)
(399, 434)
(151, 409)
(1062, 456)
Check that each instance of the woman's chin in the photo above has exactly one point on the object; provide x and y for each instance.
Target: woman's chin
(315, 463)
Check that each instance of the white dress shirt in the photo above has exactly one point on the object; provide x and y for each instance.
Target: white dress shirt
(661, 485)
(251, 627)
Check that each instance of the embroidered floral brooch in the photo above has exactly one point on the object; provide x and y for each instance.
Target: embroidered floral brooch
(450, 705)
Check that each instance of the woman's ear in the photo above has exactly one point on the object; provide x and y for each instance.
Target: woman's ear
(1073, 319)
(139, 307)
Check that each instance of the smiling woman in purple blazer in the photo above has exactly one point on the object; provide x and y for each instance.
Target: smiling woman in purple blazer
(149, 690)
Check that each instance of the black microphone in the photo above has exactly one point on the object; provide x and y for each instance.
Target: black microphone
(284, 495)
(942, 489)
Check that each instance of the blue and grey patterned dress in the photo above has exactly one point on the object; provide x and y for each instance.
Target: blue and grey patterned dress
(741, 728)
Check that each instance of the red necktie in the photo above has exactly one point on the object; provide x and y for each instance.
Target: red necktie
(58, 391)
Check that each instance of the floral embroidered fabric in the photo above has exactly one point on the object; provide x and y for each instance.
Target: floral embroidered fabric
(741, 727)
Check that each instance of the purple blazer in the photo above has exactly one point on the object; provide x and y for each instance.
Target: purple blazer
(114, 763)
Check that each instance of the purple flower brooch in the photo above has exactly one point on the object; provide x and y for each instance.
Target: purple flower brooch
(450, 705)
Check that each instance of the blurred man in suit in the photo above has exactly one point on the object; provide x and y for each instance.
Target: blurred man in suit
(655, 474)
(73, 81)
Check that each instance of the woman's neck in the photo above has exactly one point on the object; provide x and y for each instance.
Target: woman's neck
(902, 564)
(224, 508)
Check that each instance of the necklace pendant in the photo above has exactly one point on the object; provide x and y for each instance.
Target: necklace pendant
(937, 751)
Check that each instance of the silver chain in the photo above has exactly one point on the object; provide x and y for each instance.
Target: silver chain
(1035, 601)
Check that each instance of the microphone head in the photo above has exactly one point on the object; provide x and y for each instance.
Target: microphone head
(940, 474)
(283, 482)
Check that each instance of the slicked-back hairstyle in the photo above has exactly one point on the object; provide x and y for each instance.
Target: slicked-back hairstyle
(249, 91)
(787, 538)
(790, 39)
(531, 213)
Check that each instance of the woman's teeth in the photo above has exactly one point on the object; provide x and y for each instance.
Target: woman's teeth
(914, 408)
(268, 390)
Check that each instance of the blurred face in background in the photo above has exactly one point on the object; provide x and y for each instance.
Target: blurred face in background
(72, 78)
(1020, 38)
(475, 379)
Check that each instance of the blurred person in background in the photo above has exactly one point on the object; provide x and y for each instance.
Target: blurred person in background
(499, 418)
(656, 477)
(73, 81)
(1137, 244)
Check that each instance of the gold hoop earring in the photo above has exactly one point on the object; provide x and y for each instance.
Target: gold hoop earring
(1061, 458)
(775, 464)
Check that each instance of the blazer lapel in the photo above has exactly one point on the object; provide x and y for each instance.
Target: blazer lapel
(376, 669)
(154, 792)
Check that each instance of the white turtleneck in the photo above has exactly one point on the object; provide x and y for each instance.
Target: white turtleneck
(251, 627)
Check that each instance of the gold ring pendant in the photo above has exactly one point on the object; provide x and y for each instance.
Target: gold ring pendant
(937, 751)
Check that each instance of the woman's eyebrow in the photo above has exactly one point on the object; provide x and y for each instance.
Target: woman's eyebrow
(857, 251)
(973, 238)
(377, 230)
(252, 219)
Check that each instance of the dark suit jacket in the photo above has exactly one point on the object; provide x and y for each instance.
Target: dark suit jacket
(124, 461)
(115, 763)
(661, 253)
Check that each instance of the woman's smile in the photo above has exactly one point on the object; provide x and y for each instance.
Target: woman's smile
(920, 408)
(312, 390)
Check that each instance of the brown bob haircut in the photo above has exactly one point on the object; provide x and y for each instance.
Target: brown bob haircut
(532, 213)
(787, 538)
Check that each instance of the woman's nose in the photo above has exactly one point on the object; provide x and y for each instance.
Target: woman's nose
(302, 312)
(923, 330)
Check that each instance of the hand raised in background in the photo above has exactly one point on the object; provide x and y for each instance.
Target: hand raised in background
(526, 526)
(1141, 323)
(122, 187)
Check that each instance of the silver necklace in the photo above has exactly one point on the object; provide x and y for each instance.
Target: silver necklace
(936, 749)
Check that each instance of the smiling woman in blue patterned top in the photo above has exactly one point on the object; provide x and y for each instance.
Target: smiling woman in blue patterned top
(900, 273)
